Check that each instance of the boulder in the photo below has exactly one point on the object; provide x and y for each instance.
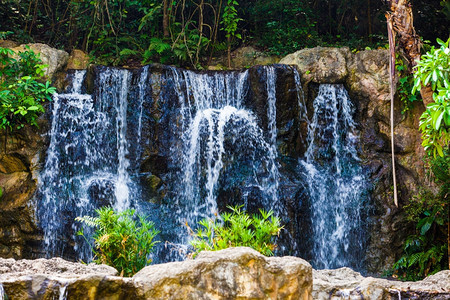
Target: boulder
(54, 58)
(244, 57)
(320, 64)
(235, 273)
(345, 283)
(78, 60)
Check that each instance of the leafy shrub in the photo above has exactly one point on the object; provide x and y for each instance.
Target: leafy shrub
(434, 69)
(120, 240)
(238, 229)
(405, 85)
(22, 93)
(425, 251)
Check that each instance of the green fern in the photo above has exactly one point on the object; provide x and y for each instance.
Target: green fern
(122, 240)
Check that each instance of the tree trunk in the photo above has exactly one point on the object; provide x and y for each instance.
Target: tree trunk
(165, 18)
(229, 51)
(391, 36)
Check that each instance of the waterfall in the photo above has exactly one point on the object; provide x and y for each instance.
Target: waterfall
(86, 165)
(2, 292)
(179, 146)
(219, 133)
(335, 181)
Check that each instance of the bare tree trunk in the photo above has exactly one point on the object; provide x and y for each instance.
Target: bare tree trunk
(229, 51)
(166, 18)
(391, 36)
(200, 32)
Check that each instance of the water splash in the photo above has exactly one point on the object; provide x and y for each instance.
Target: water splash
(86, 165)
(212, 107)
(2, 292)
(335, 181)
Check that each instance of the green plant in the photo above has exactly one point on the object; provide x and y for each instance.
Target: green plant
(237, 229)
(434, 69)
(405, 85)
(425, 251)
(22, 92)
(120, 240)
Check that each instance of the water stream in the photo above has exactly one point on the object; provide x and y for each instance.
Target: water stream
(180, 145)
(335, 181)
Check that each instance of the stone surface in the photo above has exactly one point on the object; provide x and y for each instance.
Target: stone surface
(345, 283)
(20, 159)
(321, 65)
(236, 273)
(244, 57)
(54, 58)
(78, 60)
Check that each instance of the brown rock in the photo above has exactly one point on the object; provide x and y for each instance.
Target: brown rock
(348, 284)
(55, 59)
(235, 273)
(321, 65)
(78, 60)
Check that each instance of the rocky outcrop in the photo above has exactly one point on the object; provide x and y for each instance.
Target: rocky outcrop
(345, 283)
(78, 60)
(365, 76)
(54, 58)
(235, 273)
(244, 57)
(21, 156)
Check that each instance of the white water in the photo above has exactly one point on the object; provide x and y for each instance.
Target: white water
(2, 292)
(334, 180)
(86, 165)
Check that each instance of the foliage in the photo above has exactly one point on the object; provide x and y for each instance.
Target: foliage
(22, 93)
(434, 69)
(238, 229)
(121, 241)
(425, 251)
(230, 19)
(284, 26)
(405, 85)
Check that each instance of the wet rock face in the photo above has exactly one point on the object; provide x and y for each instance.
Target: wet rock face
(365, 76)
(235, 273)
(20, 161)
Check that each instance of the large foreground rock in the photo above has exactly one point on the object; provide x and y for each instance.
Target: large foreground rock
(235, 273)
(345, 283)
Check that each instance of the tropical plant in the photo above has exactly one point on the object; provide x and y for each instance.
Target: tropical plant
(23, 90)
(230, 21)
(122, 240)
(405, 85)
(425, 251)
(237, 228)
(434, 69)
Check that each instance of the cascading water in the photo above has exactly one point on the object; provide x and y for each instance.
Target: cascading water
(220, 133)
(179, 146)
(86, 164)
(335, 182)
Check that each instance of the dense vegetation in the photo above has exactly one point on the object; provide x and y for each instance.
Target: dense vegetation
(122, 240)
(188, 32)
(23, 89)
(237, 229)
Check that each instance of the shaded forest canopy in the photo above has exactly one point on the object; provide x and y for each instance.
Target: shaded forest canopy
(188, 32)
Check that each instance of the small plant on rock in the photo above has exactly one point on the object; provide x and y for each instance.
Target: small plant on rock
(121, 240)
(23, 89)
(237, 228)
